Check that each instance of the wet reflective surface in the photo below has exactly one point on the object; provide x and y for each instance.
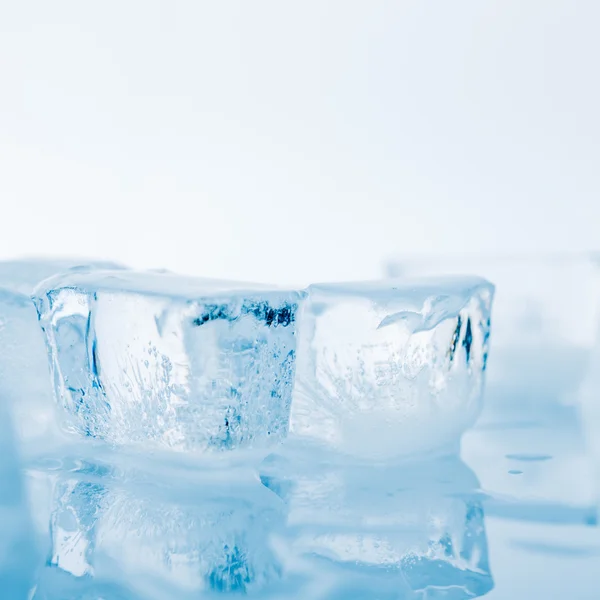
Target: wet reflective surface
(513, 517)
(509, 514)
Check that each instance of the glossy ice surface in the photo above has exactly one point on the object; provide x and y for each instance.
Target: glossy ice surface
(511, 515)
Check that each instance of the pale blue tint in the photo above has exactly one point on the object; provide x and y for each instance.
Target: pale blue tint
(535, 448)
(169, 362)
(24, 368)
(546, 320)
(413, 530)
(391, 369)
(17, 553)
(27, 422)
(198, 365)
(111, 514)
(154, 527)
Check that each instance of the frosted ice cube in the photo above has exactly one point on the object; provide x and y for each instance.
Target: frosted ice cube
(391, 368)
(174, 362)
(546, 316)
(544, 374)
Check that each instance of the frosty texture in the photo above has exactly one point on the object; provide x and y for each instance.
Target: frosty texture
(391, 368)
(167, 361)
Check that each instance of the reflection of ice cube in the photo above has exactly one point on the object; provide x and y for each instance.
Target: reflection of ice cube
(545, 320)
(391, 368)
(417, 528)
(222, 545)
(174, 362)
(116, 526)
(79, 504)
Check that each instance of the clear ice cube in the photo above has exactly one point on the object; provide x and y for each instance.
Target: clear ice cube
(25, 383)
(391, 368)
(172, 362)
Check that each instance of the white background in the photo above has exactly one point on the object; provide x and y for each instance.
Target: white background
(295, 141)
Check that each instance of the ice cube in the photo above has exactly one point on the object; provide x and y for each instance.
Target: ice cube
(386, 369)
(25, 383)
(545, 328)
(172, 362)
